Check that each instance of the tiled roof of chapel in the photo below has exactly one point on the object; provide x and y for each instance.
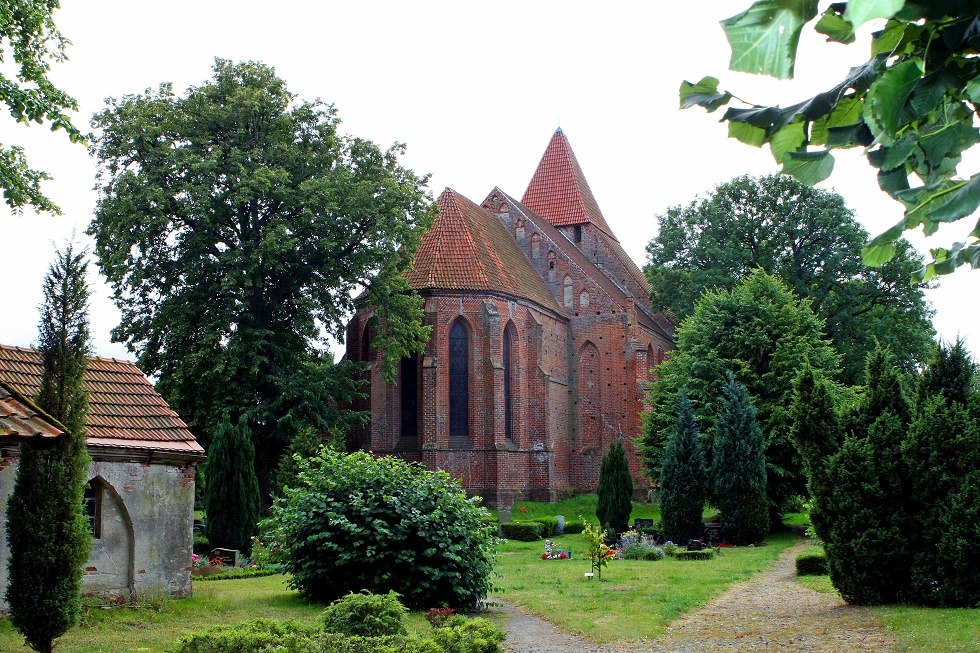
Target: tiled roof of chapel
(560, 193)
(468, 248)
(125, 410)
(21, 419)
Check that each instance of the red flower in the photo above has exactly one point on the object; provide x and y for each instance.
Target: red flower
(562, 556)
(544, 556)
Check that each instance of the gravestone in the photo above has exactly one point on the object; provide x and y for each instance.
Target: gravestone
(560, 527)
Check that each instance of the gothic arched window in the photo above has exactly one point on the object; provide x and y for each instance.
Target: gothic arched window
(551, 267)
(567, 296)
(508, 381)
(535, 245)
(459, 381)
(583, 300)
(409, 383)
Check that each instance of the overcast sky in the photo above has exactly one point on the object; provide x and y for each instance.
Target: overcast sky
(474, 89)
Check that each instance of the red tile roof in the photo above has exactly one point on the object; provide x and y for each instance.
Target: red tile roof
(124, 408)
(20, 419)
(468, 248)
(559, 192)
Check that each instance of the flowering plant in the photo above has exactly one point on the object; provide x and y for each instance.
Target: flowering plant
(553, 553)
(196, 560)
(438, 616)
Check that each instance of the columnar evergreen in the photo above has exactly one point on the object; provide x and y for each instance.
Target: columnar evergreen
(739, 467)
(684, 478)
(47, 528)
(615, 490)
(231, 499)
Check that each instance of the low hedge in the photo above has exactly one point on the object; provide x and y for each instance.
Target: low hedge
(812, 563)
(573, 526)
(703, 554)
(550, 525)
(522, 531)
(236, 574)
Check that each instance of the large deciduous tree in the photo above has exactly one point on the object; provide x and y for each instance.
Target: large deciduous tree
(236, 226)
(810, 240)
(47, 528)
(762, 333)
(30, 40)
(912, 107)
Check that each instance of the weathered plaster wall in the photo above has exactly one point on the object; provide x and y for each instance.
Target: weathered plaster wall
(147, 519)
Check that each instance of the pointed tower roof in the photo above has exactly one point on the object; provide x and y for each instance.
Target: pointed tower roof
(559, 192)
(469, 249)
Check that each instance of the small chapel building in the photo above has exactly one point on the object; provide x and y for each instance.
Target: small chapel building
(543, 339)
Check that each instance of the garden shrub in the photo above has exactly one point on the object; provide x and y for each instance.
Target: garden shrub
(237, 574)
(812, 563)
(683, 476)
(523, 531)
(655, 553)
(703, 554)
(462, 635)
(355, 522)
(636, 546)
(257, 636)
(573, 527)
(366, 614)
(615, 501)
(550, 525)
(670, 549)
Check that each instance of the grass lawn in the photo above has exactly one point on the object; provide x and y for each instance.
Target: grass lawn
(158, 626)
(635, 600)
(921, 630)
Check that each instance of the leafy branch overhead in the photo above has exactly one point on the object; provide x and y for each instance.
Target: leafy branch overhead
(913, 107)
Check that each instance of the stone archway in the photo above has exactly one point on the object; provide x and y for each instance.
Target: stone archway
(110, 568)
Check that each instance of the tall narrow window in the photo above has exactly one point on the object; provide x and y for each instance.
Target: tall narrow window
(410, 396)
(578, 233)
(551, 267)
(535, 245)
(93, 507)
(508, 385)
(567, 296)
(459, 373)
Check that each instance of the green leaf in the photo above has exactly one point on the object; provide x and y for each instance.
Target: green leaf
(898, 153)
(849, 136)
(704, 93)
(786, 140)
(962, 202)
(835, 27)
(859, 12)
(972, 90)
(888, 94)
(809, 167)
(764, 38)
(746, 133)
(881, 249)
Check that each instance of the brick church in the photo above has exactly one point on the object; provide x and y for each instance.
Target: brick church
(542, 342)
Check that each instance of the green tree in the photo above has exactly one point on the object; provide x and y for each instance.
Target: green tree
(684, 477)
(763, 334)
(355, 522)
(615, 490)
(950, 373)
(808, 239)
(236, 227)
(738, 467)
(47, 528)
(912, 106)
(231, 499)
(28, 31)
(818, 433)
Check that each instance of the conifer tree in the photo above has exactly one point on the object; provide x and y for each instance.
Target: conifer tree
(47, 528)
(615, 490)
(739, 467)
(231, 499)
(683, 479)
(817, 433)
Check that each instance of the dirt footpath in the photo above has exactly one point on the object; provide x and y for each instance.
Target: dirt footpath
(768, 613)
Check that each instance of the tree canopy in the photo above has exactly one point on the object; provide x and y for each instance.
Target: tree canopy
(810, 240)
(237, 226)
(762, 333)
(912, 107)
(29, 37)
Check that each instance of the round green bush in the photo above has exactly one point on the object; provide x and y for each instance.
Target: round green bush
(365, 614)
(811, 563)
(573, 527)
(522, 531)
(256, 636)
(354, 522)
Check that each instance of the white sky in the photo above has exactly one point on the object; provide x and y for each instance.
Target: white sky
(474, 89)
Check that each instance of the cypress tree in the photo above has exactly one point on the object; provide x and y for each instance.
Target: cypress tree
(615, 490)
(683, 479)
(817, 434)
(47, 528)
(231, 499)
(739, 467)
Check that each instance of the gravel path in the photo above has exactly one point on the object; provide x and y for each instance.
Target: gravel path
(768, 613)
